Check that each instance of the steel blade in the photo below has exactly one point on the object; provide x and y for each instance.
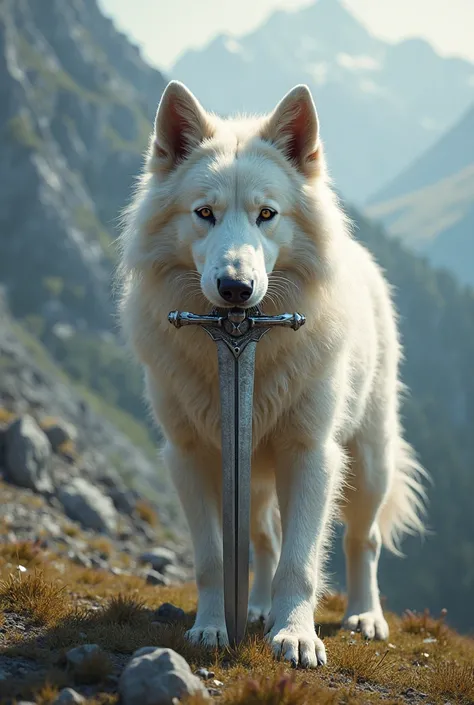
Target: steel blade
(236, 375)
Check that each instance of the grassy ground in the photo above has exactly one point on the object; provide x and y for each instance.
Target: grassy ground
(54, 605)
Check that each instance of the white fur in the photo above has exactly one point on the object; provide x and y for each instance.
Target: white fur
(326, 429)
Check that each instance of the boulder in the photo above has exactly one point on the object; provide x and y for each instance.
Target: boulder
(27, 455)
(85, 503)
(158, 676)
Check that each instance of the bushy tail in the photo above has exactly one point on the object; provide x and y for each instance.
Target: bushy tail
(404, 509)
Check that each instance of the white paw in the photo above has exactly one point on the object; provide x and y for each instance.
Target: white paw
(257, 613)
(300, 646)
(211, 635)
(372, 625)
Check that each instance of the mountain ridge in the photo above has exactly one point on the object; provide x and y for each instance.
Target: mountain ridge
(430, 205)
(362, 86)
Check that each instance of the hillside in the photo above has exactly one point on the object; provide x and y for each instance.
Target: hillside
(98, 442)
(76, 102)
(430, 206)
(40, 258)
(81, 629)
(362, 86)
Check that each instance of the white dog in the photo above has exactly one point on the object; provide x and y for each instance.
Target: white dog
(239, 213)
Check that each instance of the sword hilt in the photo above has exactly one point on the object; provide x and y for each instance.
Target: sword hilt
(235, 316)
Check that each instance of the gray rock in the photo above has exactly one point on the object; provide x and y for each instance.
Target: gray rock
(124, 500)
(60, 432)
(77, 655)
(68, 696)
(80, 559)
(176, 574)
(214, 692)
(205, 674)
(153, 577)
(28, 455)
(85, 503)
(157, 676)
(50, 525)
(159, 557)
(169, 613)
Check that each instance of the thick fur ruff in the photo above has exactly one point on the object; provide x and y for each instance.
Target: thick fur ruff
(326, 429)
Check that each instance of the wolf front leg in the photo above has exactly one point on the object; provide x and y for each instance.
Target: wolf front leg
(197, 479)
(307, 483)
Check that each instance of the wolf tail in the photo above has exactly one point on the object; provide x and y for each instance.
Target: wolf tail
(405, 506)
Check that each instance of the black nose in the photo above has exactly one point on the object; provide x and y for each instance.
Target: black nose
(234, 291)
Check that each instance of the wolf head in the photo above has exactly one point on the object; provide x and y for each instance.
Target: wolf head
(229, 206)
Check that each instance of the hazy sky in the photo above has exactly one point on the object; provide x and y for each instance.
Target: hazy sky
(165, 28)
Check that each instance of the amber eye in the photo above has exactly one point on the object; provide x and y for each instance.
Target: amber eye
(205, 213)
(265, 214)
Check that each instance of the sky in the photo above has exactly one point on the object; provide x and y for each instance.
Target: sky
(167, 28)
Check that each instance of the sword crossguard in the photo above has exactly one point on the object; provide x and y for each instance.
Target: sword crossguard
(236, 317)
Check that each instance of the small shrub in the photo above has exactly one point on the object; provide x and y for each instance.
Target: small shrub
(93, 669)
(454, 680)
(424, 623)
(31, 595)
(146, 512)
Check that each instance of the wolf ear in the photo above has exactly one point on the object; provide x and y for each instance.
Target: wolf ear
(181, 124)
(293, 127)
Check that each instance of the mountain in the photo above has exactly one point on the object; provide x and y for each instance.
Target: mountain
(76, 103)
(380, 104)
(430, 205)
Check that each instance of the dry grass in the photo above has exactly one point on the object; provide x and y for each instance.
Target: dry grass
(6, 416)
(424, 623)
(282, 689)
(48, 422)
(93, 669)
(146, 512)
(30, 594)
(68, 449)
(24, 553)
(364, 662)
(71, 530)
(74, 605)
(123, 609)
(454, 680)
(101, 544)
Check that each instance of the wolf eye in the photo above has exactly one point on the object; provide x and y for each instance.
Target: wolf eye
(205, 213)
(265, 214)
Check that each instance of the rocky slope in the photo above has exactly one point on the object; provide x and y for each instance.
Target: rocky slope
(430, 205)
(69, 477)
(76, 104)
(381, 105)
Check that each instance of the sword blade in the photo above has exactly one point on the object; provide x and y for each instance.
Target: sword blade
(236, 375)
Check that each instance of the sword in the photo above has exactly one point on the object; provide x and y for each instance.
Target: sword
(236, 333)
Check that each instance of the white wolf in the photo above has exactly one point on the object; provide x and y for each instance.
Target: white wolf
(241, 212)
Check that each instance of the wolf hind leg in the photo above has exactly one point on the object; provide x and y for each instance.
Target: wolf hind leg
(368, 484)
